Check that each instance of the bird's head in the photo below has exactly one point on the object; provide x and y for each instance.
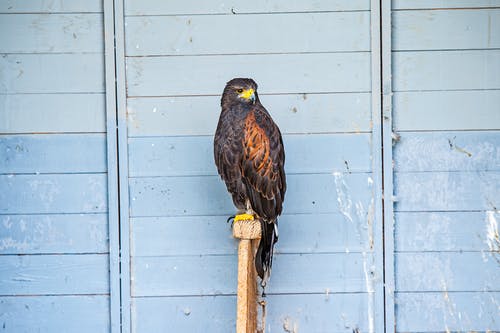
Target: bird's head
(240, 90)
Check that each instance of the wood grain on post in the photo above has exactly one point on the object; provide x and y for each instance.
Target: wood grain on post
(246, 313)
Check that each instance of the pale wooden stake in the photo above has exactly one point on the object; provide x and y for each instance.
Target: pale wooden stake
(246, 312)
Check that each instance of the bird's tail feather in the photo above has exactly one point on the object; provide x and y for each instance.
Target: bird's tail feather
(264, 256)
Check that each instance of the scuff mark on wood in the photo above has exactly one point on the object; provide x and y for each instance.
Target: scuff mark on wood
(290, 326)
(453, 146)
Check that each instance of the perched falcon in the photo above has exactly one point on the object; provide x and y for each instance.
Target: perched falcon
(250, 158)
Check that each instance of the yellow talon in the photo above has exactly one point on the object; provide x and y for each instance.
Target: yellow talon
(243, 217)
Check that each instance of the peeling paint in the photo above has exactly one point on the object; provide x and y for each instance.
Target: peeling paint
(343, 199)
(457, 148)
(492, 235)
(290, 325)
(364, 225)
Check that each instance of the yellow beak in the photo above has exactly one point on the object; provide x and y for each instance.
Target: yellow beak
(248, 94)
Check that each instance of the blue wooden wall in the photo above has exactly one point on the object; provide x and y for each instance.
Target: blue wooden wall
(322, 66)
(313, 64)
(446, 108)
(53, 170)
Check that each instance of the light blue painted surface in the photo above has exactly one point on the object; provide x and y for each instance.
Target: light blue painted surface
(41, 33)
(188, 314)
(164, 235)
(52, 73)
(54, 188)
(51, 233)
(43, 6)
(294, 113)
(449, 110)
(299, 73)
(446, 165)
(443, 191)
(320, 96)
(435, 4)
(50, 314)
(446, 29)
(448, 151)
(450, 70)
(60, 193)
(49, 113)
(154, 7)
(279, 33)
(332, 152)
(44, 153)
(54, 239)
(54, 274)
(455, 311)
(173, 196)
(443, 231)
(215, 275)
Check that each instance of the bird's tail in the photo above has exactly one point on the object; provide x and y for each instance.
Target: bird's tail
(264, 256)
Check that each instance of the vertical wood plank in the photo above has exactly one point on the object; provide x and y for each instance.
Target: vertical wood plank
(112, 163)
(376, 302)
(388, 227)
(122, 138)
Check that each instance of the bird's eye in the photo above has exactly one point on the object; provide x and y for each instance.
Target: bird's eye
(239, 91)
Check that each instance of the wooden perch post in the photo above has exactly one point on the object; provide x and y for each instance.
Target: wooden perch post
(246, 313)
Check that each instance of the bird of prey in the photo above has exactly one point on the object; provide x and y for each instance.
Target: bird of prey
(250, 158)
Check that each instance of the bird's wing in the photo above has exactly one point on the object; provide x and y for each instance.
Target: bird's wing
(228, 150)
(263, 164)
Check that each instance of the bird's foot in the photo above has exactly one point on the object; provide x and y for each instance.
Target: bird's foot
(243, 217)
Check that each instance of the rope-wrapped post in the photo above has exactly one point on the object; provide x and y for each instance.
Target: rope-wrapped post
(248, 231)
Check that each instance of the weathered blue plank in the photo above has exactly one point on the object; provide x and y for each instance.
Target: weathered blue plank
(112, 159)
(446, 29)
(474, 69)
(294, 113)
(164, 236)
(448, 151)
(420, 4)
(211, 235)
(215, 275)
(122, 145)
(445, 231)
(323, 313)
(41, 33)
(65, 193)
(54, 274)
(50, 73)
(163, 196)
(327, 312)
(193, 35)
(167, 156)
(35, 234)
(300, 73)
(448, 311)
(54, 153)
(386, 127)
(43, 6)
(443, 191)
(155, 7)
(184, 314)
(449, 110)
(447, 271)
(48, 314)
(48, 113)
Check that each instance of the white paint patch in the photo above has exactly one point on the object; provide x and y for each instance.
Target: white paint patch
(371, 294)
(343, 198)
(492, 236)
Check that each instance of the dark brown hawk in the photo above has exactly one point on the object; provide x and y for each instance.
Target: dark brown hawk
(250, 158)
